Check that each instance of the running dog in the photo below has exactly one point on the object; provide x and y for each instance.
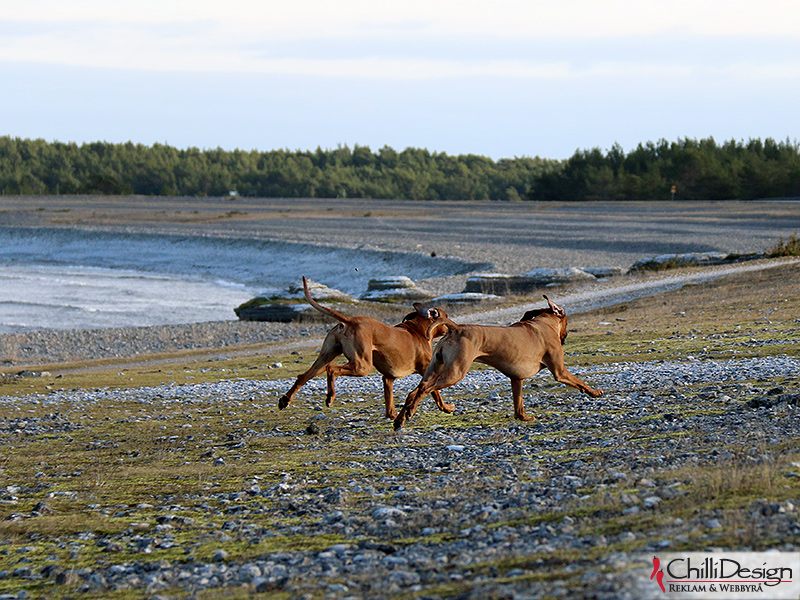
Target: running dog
(366, 342)
(518, 351)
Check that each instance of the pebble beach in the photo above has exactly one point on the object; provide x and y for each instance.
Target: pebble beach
(430, 509)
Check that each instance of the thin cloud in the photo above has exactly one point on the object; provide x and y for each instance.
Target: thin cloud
(413, 41)
(507, 77)
(575, 18)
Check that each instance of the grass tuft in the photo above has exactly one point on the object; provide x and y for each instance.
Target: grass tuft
(790, 247)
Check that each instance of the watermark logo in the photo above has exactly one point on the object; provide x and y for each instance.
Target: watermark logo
(717, 575)
(658, 574)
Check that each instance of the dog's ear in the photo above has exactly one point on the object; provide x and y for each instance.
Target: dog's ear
(425, 312)
(414, 314)
(557, 310)
(532, 314)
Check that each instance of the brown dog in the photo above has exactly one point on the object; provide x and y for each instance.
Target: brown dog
(366, 342)
(518, 351)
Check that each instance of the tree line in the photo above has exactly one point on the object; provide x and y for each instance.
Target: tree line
(40, 167)
(697, 169)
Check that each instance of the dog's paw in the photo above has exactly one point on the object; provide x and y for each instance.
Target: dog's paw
(391, 415)
(283, 402)
(595, 393)
(524, 417)
(399, 422)
(448, 408)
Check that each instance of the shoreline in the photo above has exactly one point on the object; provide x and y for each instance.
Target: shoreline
(50, 347)
(512, 237)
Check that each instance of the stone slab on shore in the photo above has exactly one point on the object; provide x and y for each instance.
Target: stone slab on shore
(503, 285)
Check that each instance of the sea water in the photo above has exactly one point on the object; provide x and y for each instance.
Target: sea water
(74, 297)
(76, 279)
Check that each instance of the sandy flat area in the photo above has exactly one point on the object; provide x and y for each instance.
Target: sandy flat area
(513, 237)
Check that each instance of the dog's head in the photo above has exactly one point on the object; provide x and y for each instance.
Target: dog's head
(430, 320)
(552, 309)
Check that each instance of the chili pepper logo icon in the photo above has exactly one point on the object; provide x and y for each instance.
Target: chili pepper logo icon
(658, 574)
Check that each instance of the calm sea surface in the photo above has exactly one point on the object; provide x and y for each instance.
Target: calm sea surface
(69, 279)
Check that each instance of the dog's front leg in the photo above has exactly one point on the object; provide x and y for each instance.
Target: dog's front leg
(556, 366)
(568, 378)
(443, 406)
(519, 407)
(388, 397)
(410, 406)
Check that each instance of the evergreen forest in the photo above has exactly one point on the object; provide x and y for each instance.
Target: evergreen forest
(697, 169)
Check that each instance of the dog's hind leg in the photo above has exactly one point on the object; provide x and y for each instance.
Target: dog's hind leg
(317, 368)
(330, 350)
(388, 397)
(438, 376)
(359, 365)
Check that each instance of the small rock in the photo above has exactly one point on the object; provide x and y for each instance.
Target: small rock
(42, 508)
(387, 512)
(652, 501)
(220, 556)
(389, 289)
(68, 578)
(627, 536)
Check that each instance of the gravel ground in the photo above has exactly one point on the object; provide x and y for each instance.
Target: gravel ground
(566, 507)
(56, 346)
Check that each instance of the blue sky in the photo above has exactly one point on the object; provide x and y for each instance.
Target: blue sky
(502, 79)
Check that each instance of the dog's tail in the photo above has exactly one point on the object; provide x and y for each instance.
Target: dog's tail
(323, 309)
(439, 322)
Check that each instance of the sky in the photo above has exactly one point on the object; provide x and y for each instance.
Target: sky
(502, 79)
